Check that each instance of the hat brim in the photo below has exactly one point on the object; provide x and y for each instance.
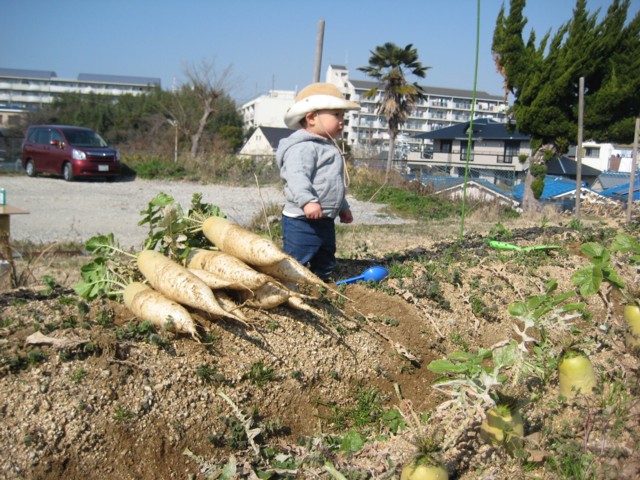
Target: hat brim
(314, 103)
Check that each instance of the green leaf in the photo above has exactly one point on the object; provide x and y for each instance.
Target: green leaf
(102, 244)
(351, 442)
(588, 280)
(552, 286)
(625, 243)
(535, 301)
(162, 199)
(596, 252)
(611, 276)
(573, 306)
(505, 356)
(518, 309)
(558, 299)
(445, 366)
(82, 289)
(459, 355)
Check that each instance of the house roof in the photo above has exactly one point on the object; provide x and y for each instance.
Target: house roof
(23, 73)
(553, 187)
(437, 91)
(94, 77)
(275, 134)
(622, 191)
(444, 182)
(567, 166)
(83, 77)
(483, 128)
(613, 179)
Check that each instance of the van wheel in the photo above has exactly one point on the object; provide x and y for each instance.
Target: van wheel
(67, 172)
(30, 169)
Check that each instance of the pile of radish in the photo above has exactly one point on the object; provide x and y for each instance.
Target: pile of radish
(239, 269)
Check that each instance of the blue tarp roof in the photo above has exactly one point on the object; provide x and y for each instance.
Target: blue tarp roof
(621, 192)
(553, 187)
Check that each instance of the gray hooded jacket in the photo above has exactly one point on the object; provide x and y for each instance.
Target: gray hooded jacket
(313, 171)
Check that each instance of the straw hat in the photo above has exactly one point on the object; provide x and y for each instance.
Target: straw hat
(314, 97)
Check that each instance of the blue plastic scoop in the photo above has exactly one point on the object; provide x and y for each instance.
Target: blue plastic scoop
(377, 274)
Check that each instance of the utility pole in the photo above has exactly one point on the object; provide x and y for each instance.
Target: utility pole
(174, 123)
(634, 166)
(579, 149)
(320, 41)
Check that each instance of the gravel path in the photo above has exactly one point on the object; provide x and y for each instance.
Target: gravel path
(76, 211)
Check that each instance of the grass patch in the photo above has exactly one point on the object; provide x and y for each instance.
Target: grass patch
(408, 203)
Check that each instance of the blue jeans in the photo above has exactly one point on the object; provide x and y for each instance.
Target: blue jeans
(311, 242)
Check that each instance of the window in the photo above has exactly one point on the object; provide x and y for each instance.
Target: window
(463, 151)
(593, 152)
(511, 150)
(445, 146)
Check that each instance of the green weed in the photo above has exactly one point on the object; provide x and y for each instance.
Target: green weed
(123, 415)
(78, 375)
(260, 374)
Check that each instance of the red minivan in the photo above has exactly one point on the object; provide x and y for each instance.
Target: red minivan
(72, 152)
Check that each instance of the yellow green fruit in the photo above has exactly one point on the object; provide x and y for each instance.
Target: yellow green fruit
(502, 428)
(576, 376)
(415, 471)
(632, 316)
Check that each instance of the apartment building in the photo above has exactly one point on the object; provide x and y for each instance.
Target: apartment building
(367, 132)
(26, 90)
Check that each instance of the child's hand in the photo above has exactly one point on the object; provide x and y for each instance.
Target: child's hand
(312, 210)
(346, 216)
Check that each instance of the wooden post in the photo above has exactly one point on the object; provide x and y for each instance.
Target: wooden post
(320, 41)
(634, 165)
(579, 148)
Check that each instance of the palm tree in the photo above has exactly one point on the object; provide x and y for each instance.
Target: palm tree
(388, 64)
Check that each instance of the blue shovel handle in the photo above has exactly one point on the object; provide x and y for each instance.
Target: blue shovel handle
(377, 274)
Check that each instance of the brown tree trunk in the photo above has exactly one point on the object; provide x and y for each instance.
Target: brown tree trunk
(392, 144)
(529, 202)
(195, 138)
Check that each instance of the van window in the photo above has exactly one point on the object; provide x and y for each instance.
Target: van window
(56, 135)
(43, 136)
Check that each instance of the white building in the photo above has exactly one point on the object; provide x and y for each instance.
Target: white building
(606, 157)
(264, 141)
(267, 110)
(26, 90)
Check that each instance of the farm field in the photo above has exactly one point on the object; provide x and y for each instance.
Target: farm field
(348, 391)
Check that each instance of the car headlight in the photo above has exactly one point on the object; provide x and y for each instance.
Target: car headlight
(117, 155)
(78, 154)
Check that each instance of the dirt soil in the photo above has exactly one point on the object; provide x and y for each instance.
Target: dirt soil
(85, 394)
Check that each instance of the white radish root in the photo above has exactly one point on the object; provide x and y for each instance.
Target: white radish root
(290, 270)
(177, 283)
(226, 266)
(151, 306)
(297, 303)
(212, 280)
(230, 306)
(266, 297)
(243, 244)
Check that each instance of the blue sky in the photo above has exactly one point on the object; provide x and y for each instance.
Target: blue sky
(266, 43)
